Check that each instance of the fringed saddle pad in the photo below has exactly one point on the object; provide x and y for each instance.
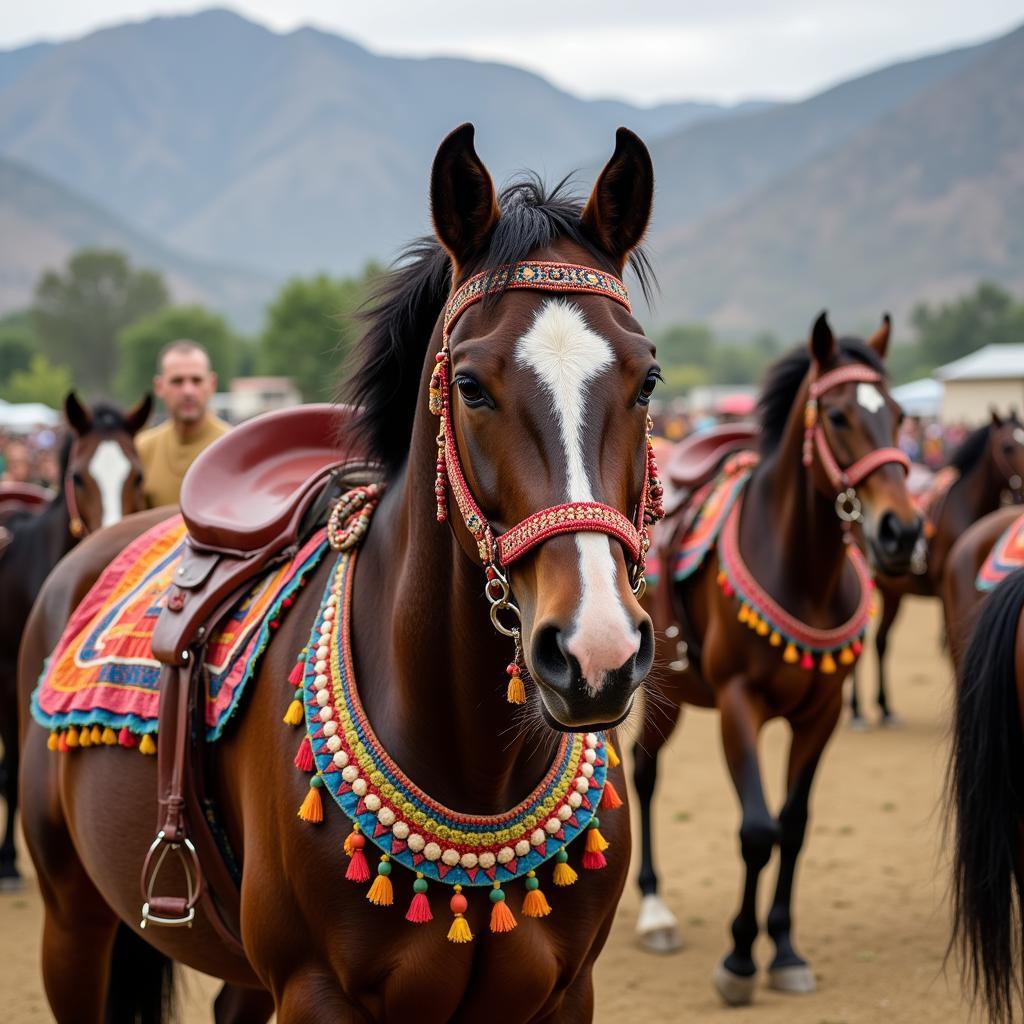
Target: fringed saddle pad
(101, 684)
(712, 503)
(925, 500)
(1004, 558)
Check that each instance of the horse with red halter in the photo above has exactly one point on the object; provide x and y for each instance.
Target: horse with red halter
(988, 465)
(101, 480)
(772, 609)
(515, 321)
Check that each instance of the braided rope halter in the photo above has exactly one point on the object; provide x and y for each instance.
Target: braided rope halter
(498, 552)
(845, 479)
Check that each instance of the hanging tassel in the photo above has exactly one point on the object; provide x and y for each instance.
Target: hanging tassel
(847, 657)
(828, 664)
(419, 909)
(613, 758)
(96, 736)
(297, 672)
(535, 904)
(610, 799)
(312, 808)
(72, 738)
(147, 745)
(743, 615)
(501, 917)
(564, 874)
(516, 692)
(857, 648)
(358, 869)
(53, 741)
(775, 640)
(381, 893)
(85, 737)
(348, 846)
(109, 737)
(459, 931)
(62, 743)
(295, 715)
(763, 629)
(593, 852)
(125, 738)
(304, 756)
(790, 655)
(807, 661)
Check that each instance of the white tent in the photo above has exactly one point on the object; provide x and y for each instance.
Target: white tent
(920, 397)
(26, 415)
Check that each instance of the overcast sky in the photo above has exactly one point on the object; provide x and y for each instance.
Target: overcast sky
(642, 50)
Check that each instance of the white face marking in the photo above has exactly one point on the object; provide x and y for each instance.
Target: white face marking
(109, 467)
(1018, 435)
(567, 356)
(869, 397)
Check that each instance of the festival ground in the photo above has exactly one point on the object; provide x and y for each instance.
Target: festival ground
(870, 910)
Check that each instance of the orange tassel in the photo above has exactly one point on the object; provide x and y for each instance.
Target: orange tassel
(775, 640)
(763, 628)
(459, 931)
(85, 737)
(535, 904)
(382, 893)
(610, 799)
(147, 745)
(613, 759)
(96, 735)
(564, 874)
(349, 847)
(847, 657)
(516, 692)
(502, 919)
(53, 741)
(72, 738)
(790, 655)
(827, 664)
(743, 615)
(109, 737)
(312, 808)
(596, 843)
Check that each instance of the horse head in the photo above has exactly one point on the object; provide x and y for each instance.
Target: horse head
(102, 474)
(1006, 446)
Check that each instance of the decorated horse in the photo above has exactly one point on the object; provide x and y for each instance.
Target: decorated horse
(984, 598)
(433, 832)
(100, 482)
(983, 472)
(768, 599)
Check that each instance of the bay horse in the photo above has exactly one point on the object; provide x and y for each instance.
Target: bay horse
(548, 405)
(823, 407)
(988, 465)
(100, 482)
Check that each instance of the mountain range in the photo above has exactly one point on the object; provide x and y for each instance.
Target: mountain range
(231, 156)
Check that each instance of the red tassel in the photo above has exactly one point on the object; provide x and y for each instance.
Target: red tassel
(296, 674)
(419, 909)
(610, 799)
(304, 756)
(594, 860)
(358, 869)
(62, 743)
(807, 661)
(125, 738)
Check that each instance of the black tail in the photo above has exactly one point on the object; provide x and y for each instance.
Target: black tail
(141, 987)
(986, 793)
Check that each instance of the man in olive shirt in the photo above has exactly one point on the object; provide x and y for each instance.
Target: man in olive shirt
(185, 383)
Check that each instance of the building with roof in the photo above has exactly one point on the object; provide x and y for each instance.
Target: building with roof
(990, 378)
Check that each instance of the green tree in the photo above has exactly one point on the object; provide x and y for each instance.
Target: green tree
(16, 350)
(310, 329)
(140, 344)
(78, 312)
(41, 382)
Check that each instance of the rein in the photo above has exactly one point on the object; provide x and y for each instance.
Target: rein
(498, 551)
(76, 524)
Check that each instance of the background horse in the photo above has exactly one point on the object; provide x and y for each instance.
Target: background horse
(101, 481)
(988, 464)
(549, 404)
(795, 546)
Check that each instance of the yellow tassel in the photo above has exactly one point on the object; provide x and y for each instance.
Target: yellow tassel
(85, 737)
(790, 656)
(827, 664)
(312, 808)
(72, 738)
(295, 714)
(381, 893)
(613, 759)
(762, 628)
(847, 657)
(109, 737)
(516, 692)
(775, 640)
(459, 931)
(535, 904)
(52, 741)
(564, 874)
(147, 745)
(596, 843)
(96, 735)
(743, 615)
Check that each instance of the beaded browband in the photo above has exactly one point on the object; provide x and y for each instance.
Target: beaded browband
(498, 552)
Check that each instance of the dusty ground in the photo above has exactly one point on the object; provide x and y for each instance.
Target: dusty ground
(870, 897)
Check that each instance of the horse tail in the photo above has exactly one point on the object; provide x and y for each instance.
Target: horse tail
(986, 796)
(141, 986)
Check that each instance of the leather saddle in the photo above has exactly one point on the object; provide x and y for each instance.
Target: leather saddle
(19, 497)
(249, 501)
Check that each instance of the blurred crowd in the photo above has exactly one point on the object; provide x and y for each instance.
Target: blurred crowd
(32, 457)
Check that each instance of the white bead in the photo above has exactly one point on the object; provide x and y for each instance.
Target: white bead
(359, 787)
(487, 860)
(590, 756)
(321, 684)
(331, 601)
(321, 666)
(564, 812)
(329, 611)
(334, 744)
(582, 784)
(506, 853)
(325, 629)
(330, 728)
(450, 857)
(340, 759)
(326, 714)
(373, 803)
(416, 842)
(468, 860)
(431, 851)
(350, 773)
(322, 652)
(323, 698)
(575, 800)
(591, 740)
(386, 817)
(401, 831)
(537, 837)
(552, 825)
(523, 847)
(587, 770)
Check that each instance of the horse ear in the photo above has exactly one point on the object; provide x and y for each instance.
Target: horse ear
(77, 414)
(136, 417)
(822, 342)
(619, 208)
(879, 341)
(462, 200)
(996, 420)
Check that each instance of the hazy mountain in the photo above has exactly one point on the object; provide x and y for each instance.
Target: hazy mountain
(920, 204)
(41, 223)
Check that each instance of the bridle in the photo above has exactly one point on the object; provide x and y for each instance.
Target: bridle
(498, 551)
(844, 479)
(1014, 483)
(76, 524)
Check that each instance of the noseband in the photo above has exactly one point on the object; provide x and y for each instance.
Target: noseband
(498, 551)
(844, 479)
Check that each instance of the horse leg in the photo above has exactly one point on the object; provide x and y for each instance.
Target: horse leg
(789, 972)
(10, 879)
(742, 719)
(237, 1005)
(857, 722)
(890, 609)
(657, 927)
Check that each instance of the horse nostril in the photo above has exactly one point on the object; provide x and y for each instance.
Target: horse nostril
(551, 659)
(644, 658)
(895, 536)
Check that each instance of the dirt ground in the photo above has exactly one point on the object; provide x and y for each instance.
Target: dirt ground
(870, 908)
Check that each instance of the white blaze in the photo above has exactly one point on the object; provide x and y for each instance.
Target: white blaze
(869, 397)
(567, 356)
(109, 467)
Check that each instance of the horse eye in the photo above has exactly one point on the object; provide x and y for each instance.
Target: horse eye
(838, 418)
(472, 393)
(77, 479)
(647, 389)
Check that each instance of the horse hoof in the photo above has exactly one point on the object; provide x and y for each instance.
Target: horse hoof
(891, 721)
(799, 978)
(656, 927)
(735, 989)
(858, 724)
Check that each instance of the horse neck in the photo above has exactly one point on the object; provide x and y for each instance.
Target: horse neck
(429, 664)
(54, 523)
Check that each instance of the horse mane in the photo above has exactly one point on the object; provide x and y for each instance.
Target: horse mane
(400, 316)
(782, 383)
(971, 449)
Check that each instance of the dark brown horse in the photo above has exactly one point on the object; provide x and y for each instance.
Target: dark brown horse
(792, 536)
(100, 483)
(988, 467)
(549, 404)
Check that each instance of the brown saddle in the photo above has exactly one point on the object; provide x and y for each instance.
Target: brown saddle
(23, 497)
(249, 501)
(696, 458)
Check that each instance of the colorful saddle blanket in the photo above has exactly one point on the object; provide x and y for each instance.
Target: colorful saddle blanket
(1006, 556)
(101, 684)
(936, 488)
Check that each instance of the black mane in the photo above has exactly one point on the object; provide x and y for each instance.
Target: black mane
(385, 384)
(971, 449)
(782, 383)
